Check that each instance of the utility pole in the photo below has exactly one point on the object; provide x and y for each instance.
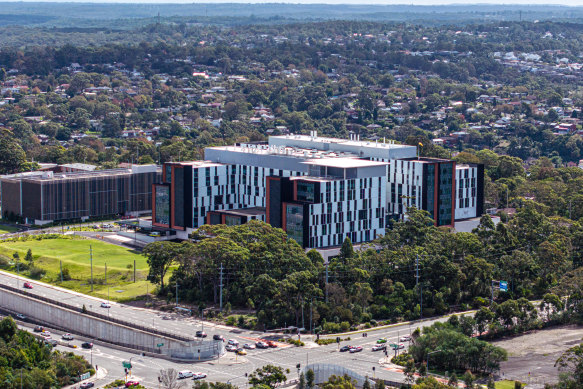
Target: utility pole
(91, 260)
(311, 300)
(61, 266)
(177, 294)
(134, 270)
(221, 290)
(418, 286)
(106, 273)
(326, 285)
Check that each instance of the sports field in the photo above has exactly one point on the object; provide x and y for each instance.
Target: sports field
(75, 256)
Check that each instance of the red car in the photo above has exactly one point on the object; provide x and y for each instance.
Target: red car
(271, 344)
(27, 285)
(129, 384)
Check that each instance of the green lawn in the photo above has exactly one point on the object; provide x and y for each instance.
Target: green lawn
(4, 229)
(74, 254)
(505, 384)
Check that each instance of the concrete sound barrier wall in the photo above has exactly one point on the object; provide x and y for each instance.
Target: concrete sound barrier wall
(100, 329)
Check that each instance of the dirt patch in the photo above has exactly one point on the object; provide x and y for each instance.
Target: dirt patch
(531, 357)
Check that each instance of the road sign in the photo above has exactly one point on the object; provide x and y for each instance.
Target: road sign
(504, 286)
(160, 345)
(126, 365)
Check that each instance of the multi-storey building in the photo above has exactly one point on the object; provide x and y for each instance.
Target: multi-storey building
(425, 183)
(469, 189)
(43, 197)
(319, 190)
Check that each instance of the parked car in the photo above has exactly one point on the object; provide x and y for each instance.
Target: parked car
(241, 351)
(67, 337)
(198, 376)
(39, 329)
(356, 349)
(261, 344)
(233, 342)
(230, 347)
(218, 337)
(20, 316)
(405, 338)
(184, 374)
(105, 305)
(129, 384)
(200, 334)
(345, 348)
(27, 285)
(87, 385)
(87, 345)
(249, 346)
(378, 347)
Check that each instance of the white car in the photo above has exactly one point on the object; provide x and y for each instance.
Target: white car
(45, 334)
(249, 346)
(198, 376)
(233, 342)
(105, 305)
(230, 347)
(185, 374)
(67, 336)
(405, 338)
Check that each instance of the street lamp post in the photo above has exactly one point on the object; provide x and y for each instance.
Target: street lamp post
(428, 354)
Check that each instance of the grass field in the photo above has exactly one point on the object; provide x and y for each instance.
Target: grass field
(74, 254)
(505, 384)
(4, 229)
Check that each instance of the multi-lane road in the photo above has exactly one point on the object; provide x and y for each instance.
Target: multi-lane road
(229, 367)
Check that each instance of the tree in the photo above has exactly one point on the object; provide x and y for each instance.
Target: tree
(111, 127)
(339, 382)
(161, 255)
(310, 379)
(12, 156)
(169, 379)
(28, 258)
(430, 383)
(269, 375)
(452, 380)
(346, 251)
(302, 381)
(409, 371)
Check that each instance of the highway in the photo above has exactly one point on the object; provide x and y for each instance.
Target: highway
(229, 367)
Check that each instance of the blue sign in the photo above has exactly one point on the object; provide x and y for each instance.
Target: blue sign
(504, 286)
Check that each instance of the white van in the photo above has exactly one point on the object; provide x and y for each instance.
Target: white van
(184, 374)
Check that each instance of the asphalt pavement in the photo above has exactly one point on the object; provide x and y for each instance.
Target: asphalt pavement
(230, 367)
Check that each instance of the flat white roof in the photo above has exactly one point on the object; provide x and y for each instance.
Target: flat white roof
(344, 163)
(348, 142)
(200, 163)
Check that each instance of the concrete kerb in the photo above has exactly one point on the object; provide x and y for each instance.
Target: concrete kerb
(386, 326)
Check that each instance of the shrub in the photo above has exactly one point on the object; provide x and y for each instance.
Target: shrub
(241, 321)
(345, 326)
(37, 273)
(66, 274)
(401, 359)
(230, 321)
